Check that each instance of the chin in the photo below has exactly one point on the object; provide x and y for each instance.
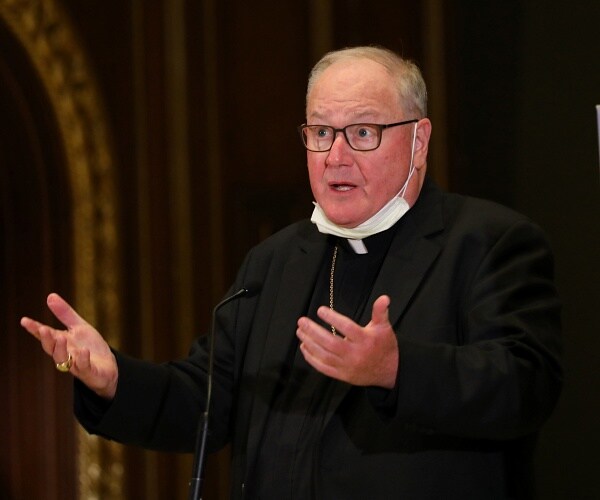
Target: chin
(341, 218)
(340, 215)
(348, 224)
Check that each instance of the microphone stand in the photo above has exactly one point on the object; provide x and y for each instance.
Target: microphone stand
(195, 489)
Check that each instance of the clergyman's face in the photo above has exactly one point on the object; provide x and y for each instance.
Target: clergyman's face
(351, 186)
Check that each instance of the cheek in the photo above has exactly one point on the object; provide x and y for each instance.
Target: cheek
(388, 181)
(315, 170)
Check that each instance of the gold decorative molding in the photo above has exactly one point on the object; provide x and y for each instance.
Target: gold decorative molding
(44, 30)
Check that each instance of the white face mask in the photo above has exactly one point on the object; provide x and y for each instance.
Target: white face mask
(389, 214)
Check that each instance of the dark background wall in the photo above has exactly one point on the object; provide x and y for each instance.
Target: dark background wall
(527, 82)
(202, 100)
(556, 182)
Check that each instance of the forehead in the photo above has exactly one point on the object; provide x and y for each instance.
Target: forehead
(355, 86)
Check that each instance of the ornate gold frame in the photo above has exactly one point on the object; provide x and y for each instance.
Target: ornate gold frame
(45, 31)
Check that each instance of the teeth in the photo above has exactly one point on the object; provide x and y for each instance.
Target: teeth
(342, 187)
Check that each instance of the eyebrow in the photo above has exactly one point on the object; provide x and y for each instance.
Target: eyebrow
(360, 116)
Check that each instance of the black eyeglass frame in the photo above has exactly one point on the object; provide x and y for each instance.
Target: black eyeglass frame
(381, 127)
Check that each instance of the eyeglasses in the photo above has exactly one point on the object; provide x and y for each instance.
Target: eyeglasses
(359, 136)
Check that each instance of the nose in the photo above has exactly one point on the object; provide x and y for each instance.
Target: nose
(339, 149)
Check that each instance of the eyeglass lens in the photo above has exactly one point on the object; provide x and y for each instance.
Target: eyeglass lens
(360, 136)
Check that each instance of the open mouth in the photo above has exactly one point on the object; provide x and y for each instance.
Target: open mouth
(341, 186)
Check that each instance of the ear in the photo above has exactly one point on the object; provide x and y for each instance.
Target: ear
(422, 143)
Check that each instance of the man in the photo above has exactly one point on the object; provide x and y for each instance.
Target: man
(404, 343)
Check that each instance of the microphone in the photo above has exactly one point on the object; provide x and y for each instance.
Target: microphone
(195, 489)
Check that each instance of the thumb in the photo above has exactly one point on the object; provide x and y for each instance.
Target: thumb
(63, 311)
(380, 310)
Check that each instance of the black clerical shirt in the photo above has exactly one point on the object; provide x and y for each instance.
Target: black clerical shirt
(287, 466)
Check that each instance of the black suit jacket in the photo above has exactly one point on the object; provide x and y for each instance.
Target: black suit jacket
(477, 321)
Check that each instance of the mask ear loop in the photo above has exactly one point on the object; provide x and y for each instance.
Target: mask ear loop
(411, 168)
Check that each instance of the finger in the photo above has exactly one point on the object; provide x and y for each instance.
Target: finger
(60, 353)
(317, 344)
(47, 337)
(380, 310)
(81, 362)
(319, 364)
(319, 351)
(32, 326)
(343, 324)
(86, 361)
(63, 311)
(312, 332)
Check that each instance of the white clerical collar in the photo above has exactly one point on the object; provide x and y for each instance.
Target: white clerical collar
(358, 246)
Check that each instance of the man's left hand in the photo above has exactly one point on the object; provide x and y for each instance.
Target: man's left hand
(364, 356)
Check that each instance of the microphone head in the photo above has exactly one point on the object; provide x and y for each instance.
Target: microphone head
(252, 288)
(246, 291)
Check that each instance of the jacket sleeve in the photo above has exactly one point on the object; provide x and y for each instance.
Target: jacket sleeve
(498, 375)
(156, 406)
(159, 406)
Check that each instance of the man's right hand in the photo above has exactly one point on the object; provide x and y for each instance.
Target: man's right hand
(92, 360)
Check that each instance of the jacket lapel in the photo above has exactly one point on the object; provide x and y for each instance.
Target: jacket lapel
(413, 250)
(293, 295)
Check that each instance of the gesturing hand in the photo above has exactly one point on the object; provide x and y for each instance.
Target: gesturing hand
(92, 360)
(364, 356)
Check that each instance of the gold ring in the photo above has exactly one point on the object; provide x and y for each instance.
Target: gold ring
(65, 366)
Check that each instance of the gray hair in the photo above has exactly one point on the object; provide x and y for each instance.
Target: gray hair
(409, 81)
